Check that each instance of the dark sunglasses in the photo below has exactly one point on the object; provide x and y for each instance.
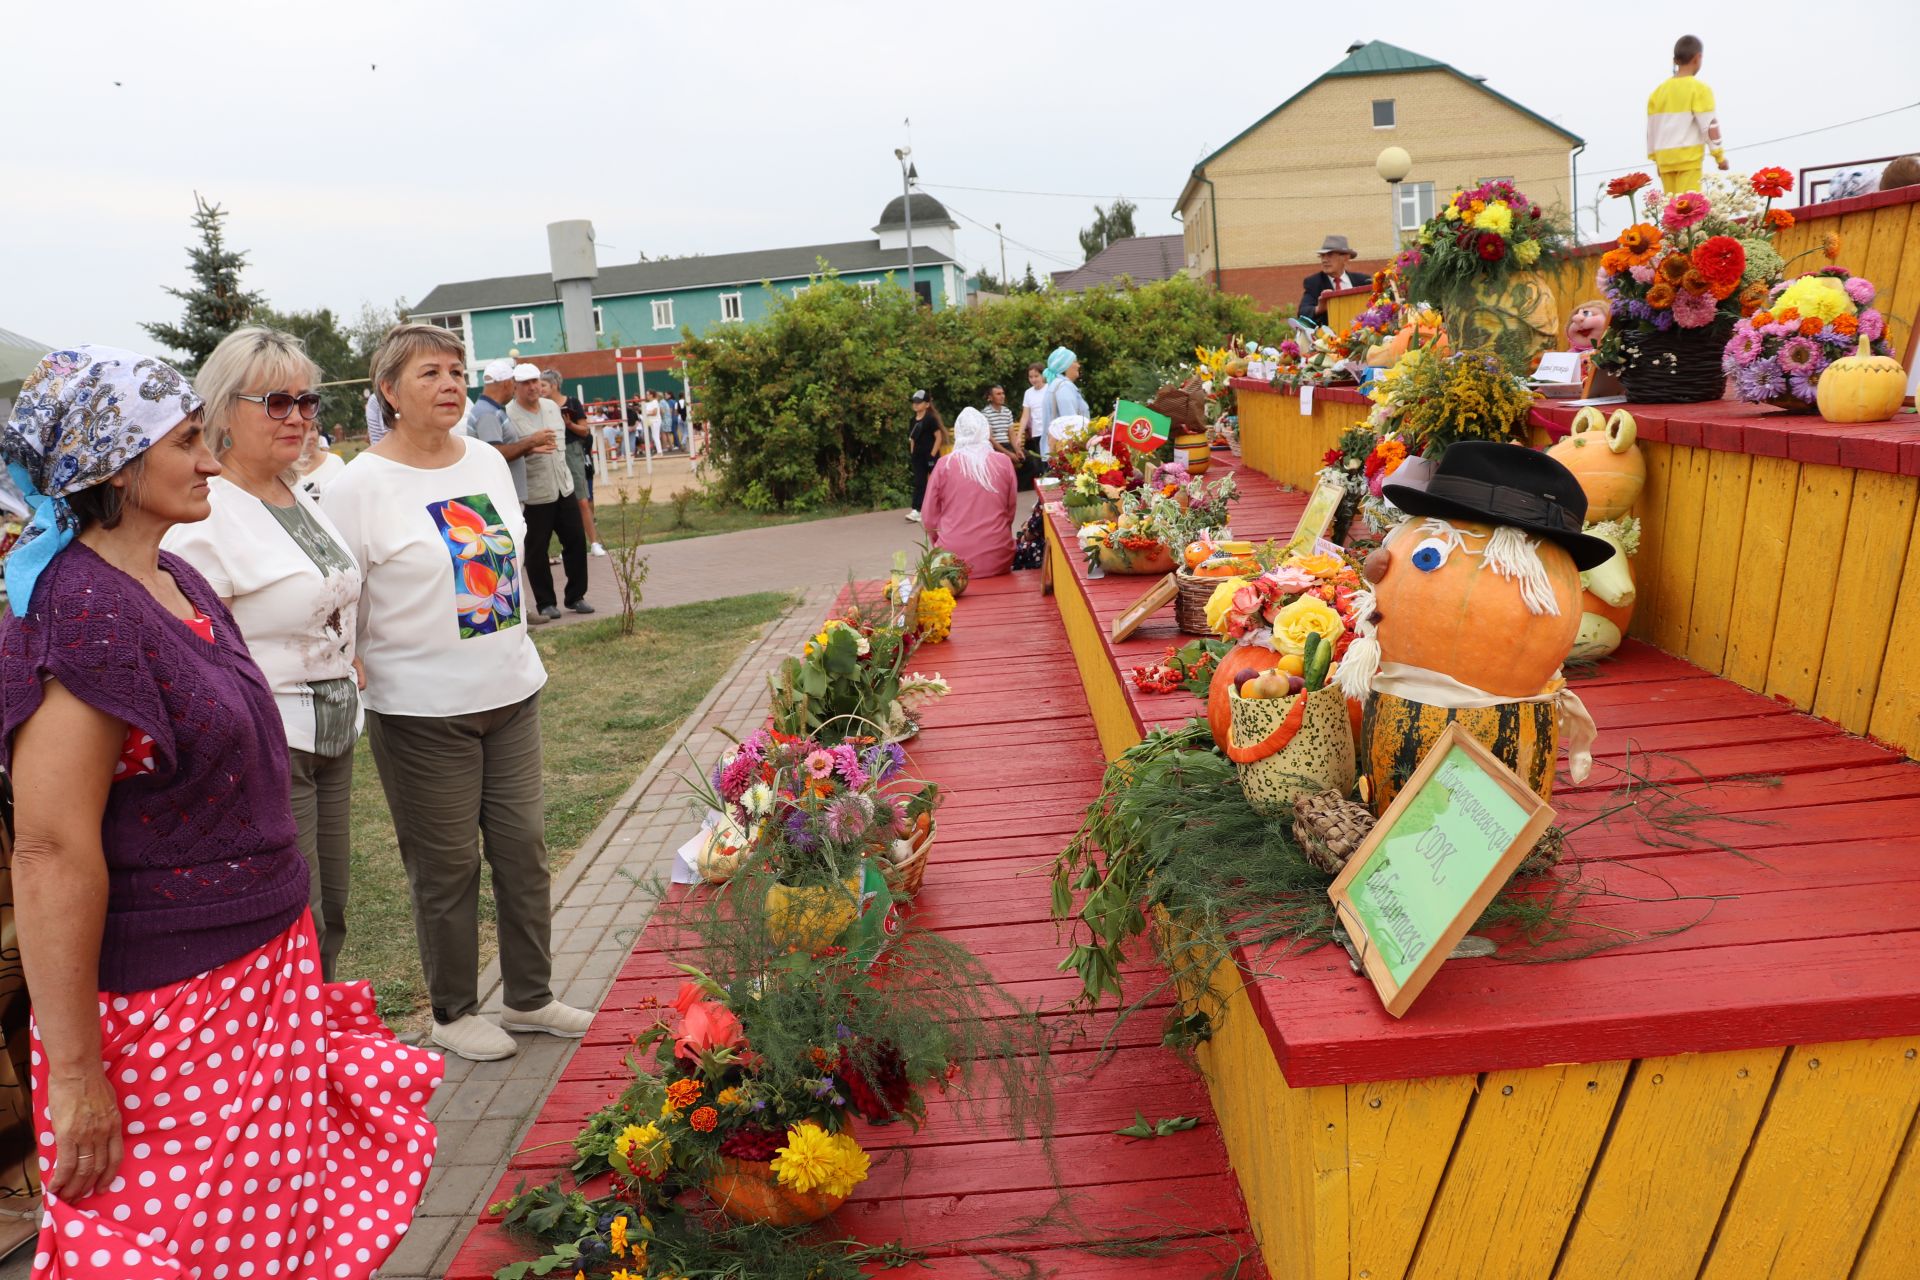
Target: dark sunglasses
(279, 404)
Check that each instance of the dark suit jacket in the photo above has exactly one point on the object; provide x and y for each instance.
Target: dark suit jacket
(1310, 295)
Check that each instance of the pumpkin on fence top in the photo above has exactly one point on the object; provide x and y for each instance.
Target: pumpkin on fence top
(1605, 460)
(1862, 387)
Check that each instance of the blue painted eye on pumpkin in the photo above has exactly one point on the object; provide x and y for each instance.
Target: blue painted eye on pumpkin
(1430, 554)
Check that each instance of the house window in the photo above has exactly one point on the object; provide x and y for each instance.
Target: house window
(1383, 113)
(729, 306)
(663, 313)
(598, 328)
(523, 327)
(1416, 204)
(452, 324)
(800, 289)
(1505, 179)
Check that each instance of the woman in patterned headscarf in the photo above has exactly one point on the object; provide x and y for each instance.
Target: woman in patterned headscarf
(191, 1069)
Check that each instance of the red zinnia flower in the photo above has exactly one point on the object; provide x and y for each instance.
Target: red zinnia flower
(1627, 185)
(1721, 259)
(1490, 246)
(1772, 182)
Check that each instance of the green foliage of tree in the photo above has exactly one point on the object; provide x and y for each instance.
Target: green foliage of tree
(343, 350)
(1108, 225)
(217, 304)
(809, 404)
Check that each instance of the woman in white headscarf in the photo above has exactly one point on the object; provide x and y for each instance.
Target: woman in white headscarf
(970, 499)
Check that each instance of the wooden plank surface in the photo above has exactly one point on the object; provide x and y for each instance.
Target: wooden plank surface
(1015, 750)
(1824, 822)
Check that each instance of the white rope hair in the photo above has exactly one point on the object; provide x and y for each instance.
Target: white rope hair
(1513, 555)
(1361, 662)
(1433, 527)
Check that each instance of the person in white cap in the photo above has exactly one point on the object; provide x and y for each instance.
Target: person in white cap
(549, 499)
(487, 420)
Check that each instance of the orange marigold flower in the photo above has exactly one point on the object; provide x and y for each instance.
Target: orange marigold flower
(1639, 242)
(704, 1119)
(683, 1094)
(1674, 267)
(1779, 219)
(1830, 245)
(1848, 325)
(1660, 297)
(1616, 261)
(1811, 325)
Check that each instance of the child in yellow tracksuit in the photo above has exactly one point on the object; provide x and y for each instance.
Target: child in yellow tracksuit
(1681, 124)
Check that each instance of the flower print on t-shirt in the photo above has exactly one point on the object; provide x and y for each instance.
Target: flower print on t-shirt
(486, 576)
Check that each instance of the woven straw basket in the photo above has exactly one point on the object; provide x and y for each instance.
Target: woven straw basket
(1191, 594)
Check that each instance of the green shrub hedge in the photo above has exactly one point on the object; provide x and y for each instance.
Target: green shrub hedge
(810, 405)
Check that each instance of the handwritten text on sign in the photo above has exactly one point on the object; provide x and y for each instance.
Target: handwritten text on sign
(1439, 852)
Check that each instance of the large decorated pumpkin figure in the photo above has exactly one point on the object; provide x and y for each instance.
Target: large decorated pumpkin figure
(1476, 601)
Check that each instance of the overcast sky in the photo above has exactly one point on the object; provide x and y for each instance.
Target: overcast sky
(368, 151)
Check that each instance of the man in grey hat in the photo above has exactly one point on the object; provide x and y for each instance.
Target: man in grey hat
(1333, 274)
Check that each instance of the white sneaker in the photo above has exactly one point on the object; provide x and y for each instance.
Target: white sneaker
(599, 550)
(554, 1018)
(475, 1039)
(914, 516)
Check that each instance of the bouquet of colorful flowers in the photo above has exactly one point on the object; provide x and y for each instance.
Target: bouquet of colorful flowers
(1431, 399)
(811, 812)
(1703, 259)
(1472, 260)
(1307, 593)
(1776, 354)
(847, 678)
(1090, 443)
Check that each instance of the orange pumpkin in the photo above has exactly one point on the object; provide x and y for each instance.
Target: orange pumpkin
(748, 1191)
(1246, 657)
(1432, 338)
(1605, 460)
(1443, 609)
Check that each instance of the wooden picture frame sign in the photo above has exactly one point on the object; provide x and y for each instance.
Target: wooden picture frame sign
(1158, 596)
(1451, 838)
(1317, 518)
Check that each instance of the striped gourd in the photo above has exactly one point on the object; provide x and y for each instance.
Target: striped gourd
(1396, 732)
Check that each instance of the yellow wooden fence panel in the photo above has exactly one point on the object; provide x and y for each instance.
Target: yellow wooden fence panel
(1899, 296)
(1652, 510)
(1879, 527)
(1722, 524)
(1400, 1135)
(1763, 559)
(1680, 536)
(1896, 702)
(1837, 1122)
(1806, 587)
(1517, 1173)
(1892, 1245)
(1683, 1126)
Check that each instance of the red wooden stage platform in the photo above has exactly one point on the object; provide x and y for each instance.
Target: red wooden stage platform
(1015, 751)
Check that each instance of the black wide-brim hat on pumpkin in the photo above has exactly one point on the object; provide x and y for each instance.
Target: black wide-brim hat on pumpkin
(1506, 484)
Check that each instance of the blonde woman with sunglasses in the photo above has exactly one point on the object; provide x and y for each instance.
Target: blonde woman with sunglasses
(281, 566)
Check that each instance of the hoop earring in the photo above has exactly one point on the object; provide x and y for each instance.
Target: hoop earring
(226, 441)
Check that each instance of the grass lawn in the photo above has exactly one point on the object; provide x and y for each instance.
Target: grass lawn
(610, 703)
(701, 519)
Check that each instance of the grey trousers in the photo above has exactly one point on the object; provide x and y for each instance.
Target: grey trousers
(322, 793)
(452, 782)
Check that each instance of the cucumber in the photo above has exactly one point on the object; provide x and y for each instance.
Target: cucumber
(1317, 659)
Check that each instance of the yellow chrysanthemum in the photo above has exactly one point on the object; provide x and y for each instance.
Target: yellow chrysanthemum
(1812, 296)
(728, 1097)
(1527, 252)
(1496, 217)
(1221, 601)
(936, 615)
(814, 1160)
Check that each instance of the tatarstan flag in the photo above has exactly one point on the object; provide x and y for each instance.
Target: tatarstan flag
(1140, 428)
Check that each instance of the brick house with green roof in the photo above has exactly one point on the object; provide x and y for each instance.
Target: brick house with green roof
(1256, 210)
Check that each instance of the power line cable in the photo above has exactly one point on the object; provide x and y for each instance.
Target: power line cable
(1600, 170)
(1051, 257)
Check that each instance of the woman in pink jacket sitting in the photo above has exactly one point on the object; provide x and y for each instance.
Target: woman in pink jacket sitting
(970, 499)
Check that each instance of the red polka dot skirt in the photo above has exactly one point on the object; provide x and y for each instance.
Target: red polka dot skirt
(274, 1130)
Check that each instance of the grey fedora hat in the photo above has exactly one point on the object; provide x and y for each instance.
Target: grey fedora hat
(1336, 244)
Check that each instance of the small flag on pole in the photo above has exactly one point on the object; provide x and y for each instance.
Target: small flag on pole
(1140, 428)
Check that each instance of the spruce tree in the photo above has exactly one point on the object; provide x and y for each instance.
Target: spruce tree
(217, 305)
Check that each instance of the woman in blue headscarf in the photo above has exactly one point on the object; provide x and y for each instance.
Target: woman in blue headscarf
(1063, 398)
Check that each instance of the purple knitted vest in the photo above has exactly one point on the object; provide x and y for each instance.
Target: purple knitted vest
(202, 861)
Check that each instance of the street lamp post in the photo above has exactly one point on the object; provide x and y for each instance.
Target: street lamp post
(1393, 165)
(1003, 255)
(907, 175)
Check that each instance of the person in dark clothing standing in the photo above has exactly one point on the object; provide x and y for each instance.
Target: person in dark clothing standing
(924, 439)
(1332, 275)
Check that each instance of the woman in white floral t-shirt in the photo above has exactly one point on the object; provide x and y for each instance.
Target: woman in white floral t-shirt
(284, 570)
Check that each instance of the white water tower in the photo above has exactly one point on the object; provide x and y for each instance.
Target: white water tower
(575, 267)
